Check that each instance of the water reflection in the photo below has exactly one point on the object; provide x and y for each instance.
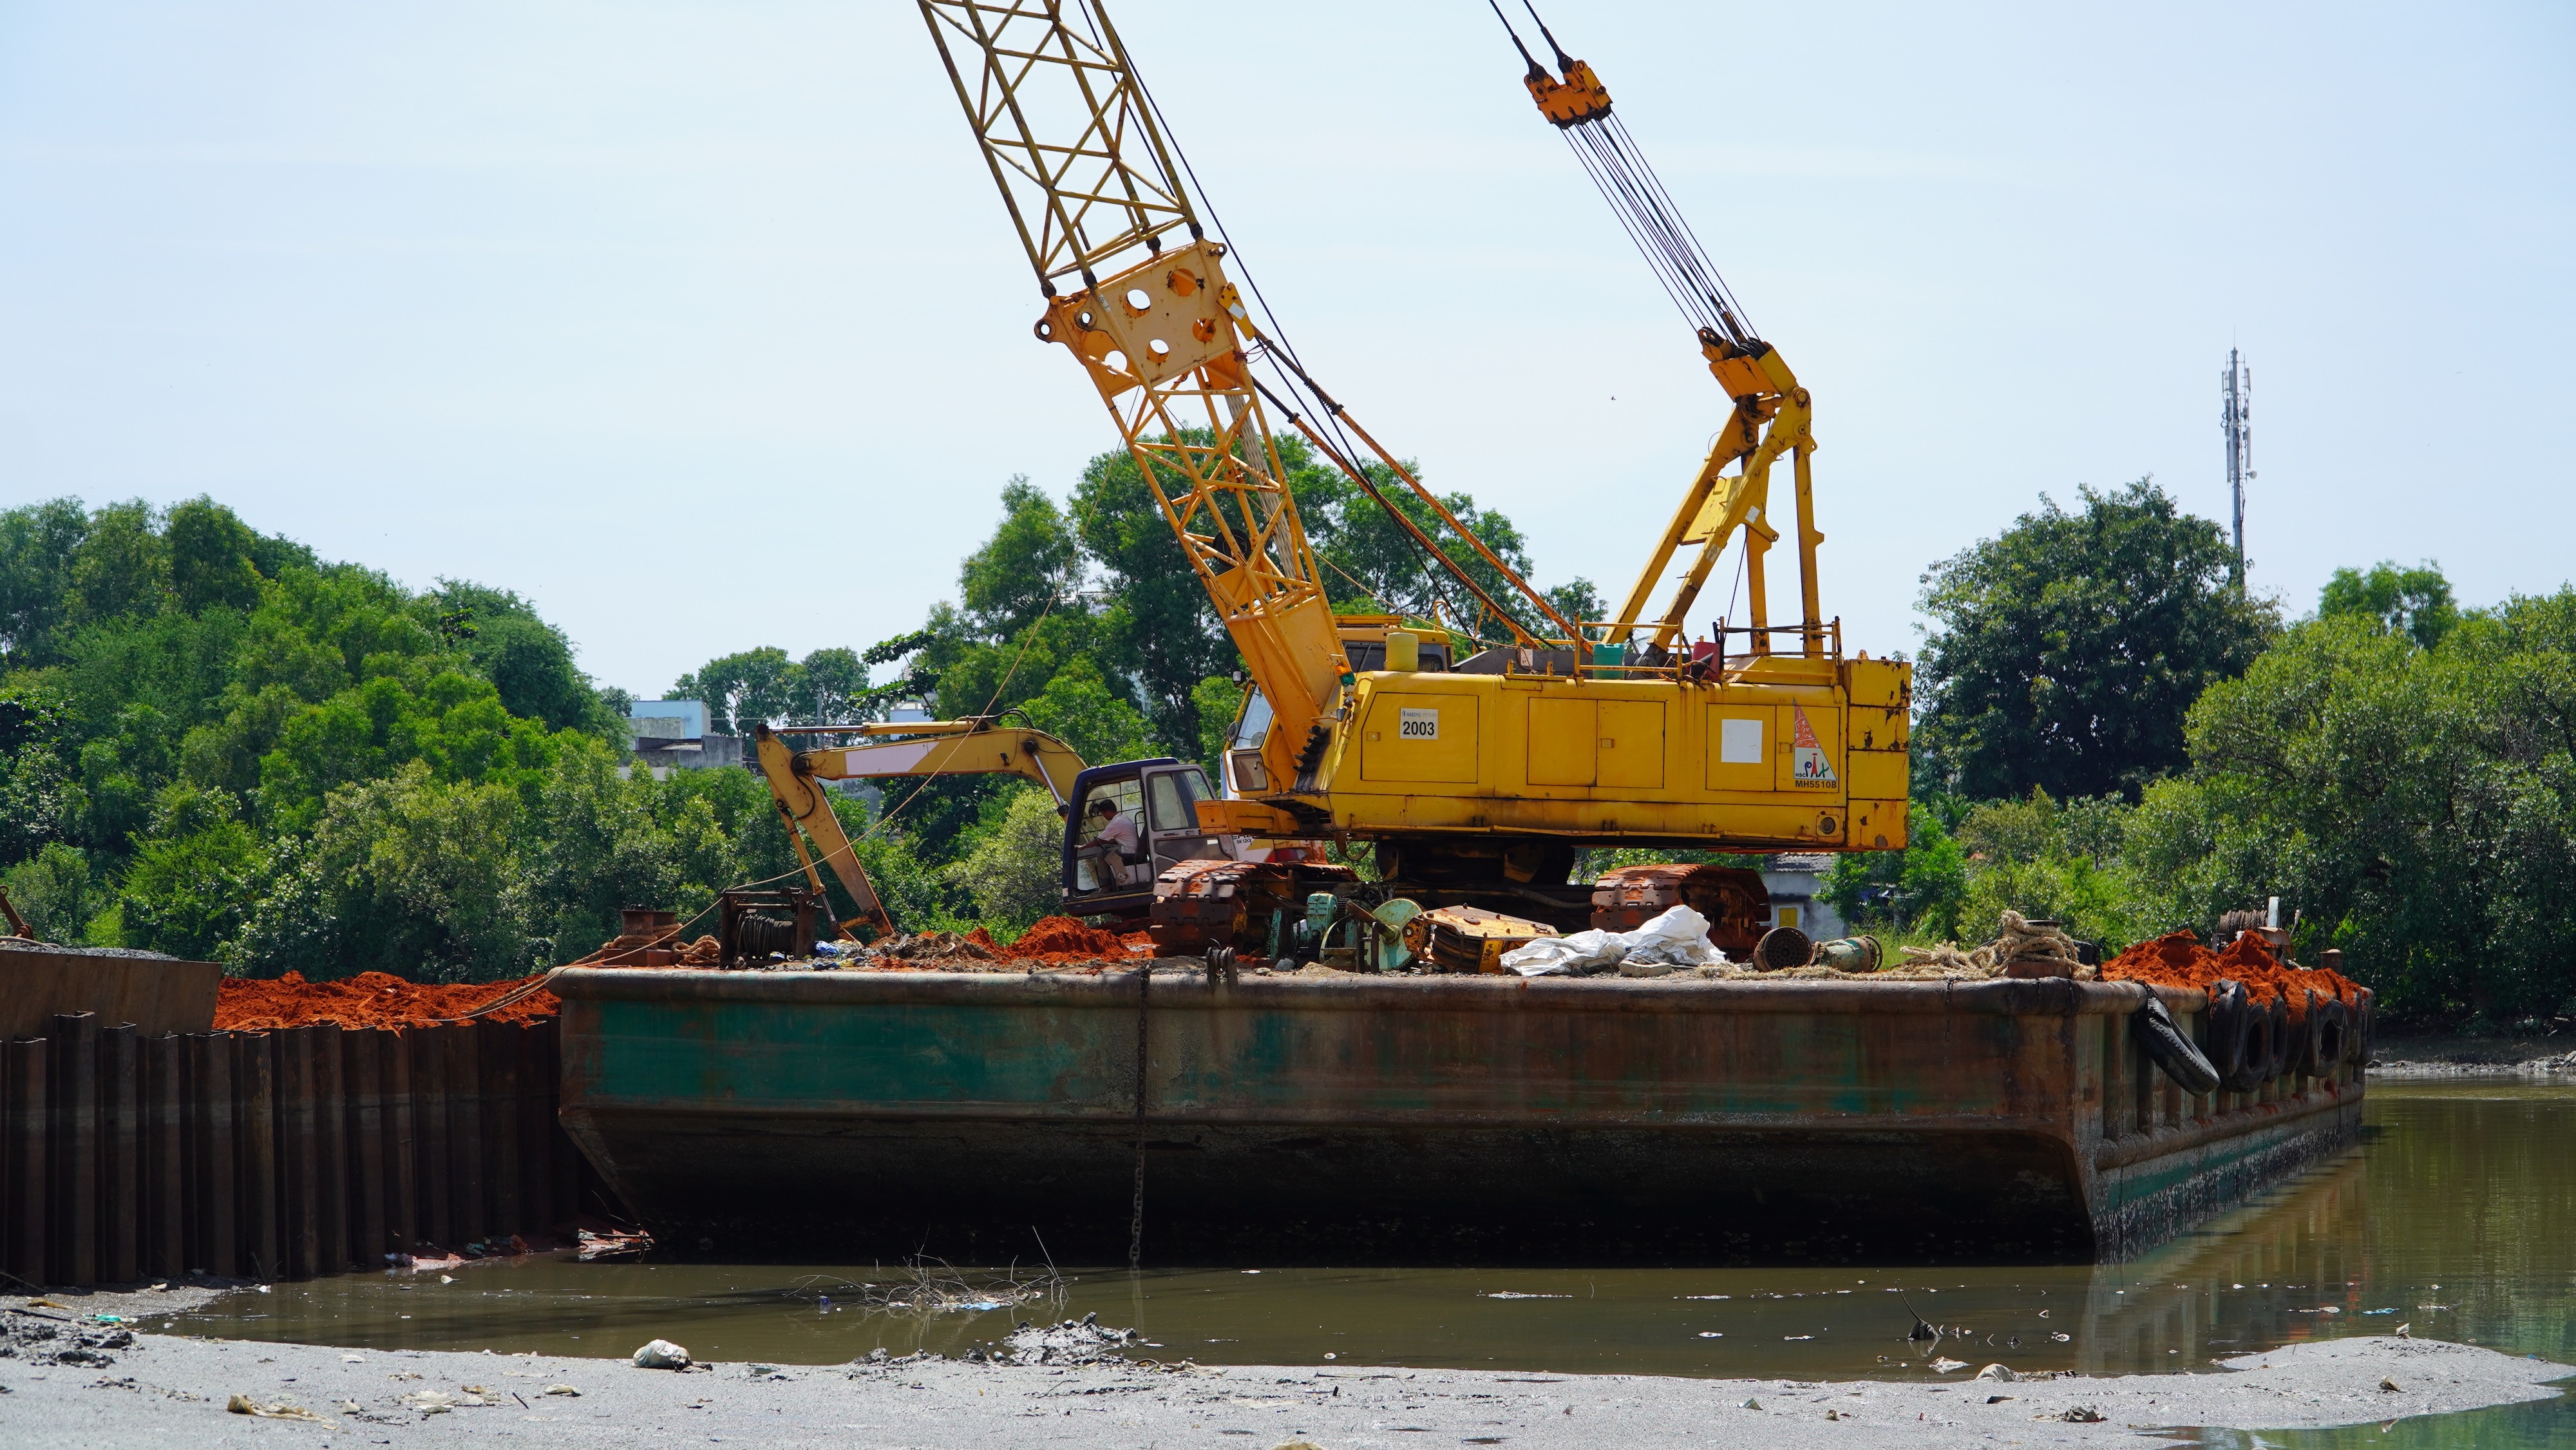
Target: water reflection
(2535, 1425)
(2451, 1217)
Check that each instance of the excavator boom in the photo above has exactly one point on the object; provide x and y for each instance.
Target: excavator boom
(934, 747)
(925, 748)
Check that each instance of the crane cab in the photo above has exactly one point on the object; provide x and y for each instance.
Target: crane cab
(1112, 857)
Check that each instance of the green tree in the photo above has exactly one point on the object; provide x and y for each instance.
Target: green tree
(2061, 861)
(755, 684)
(915, 681)
(1079, 708)
(451, 723)
(2415, 806)
(832, 687)
(121, 566)
(1157, 627)
(1372, 563)
(596, 843)
(38, 543)
(2068, 649)
(528, 661)
(404, 874)
(1918, 889)
(211, 558)
(37, 794)
(1578, 600)
(2414, 602)
(194, 877)
(56, 892)
(1029, 567)
(1014, 874)
(1219, 699)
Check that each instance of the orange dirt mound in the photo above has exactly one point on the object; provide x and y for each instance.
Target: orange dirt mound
(2179, 960)
(369, 999)
(1063, 939)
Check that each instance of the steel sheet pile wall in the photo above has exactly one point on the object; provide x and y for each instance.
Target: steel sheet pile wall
(274, 1155)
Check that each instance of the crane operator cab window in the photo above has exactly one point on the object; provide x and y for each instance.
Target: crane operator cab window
(1243, 747)
(1132, 828)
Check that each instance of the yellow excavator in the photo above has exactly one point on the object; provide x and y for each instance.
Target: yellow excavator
(1106, 872)
(1478, 774)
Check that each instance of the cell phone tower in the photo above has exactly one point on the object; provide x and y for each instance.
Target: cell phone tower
(2236, 393)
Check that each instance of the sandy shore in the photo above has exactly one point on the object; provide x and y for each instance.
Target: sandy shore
(2401, 1054)
(165, 1390)
(2559, 1068)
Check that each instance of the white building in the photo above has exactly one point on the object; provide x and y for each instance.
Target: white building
(1795, 882)
(672, 735)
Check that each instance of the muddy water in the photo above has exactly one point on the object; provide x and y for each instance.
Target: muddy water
(2457, 1216)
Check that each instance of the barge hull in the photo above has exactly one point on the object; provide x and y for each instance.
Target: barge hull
(1420, 1120)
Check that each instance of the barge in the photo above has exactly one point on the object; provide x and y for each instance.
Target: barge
(990, 1116)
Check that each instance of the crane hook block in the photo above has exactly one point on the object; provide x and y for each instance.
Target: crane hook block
(1580, 97)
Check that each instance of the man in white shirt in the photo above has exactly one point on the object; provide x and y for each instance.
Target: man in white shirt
(1113, 843)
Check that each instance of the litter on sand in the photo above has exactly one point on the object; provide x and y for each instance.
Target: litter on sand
(661, 1354)
(280, 1410)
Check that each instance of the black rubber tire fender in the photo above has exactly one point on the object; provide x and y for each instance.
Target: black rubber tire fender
(2285, 1048)
(2170, 1048)
(2257, 1047)
(2252, 1030)
(2333, 1034)
(2306, 1059)
(2226, 1030)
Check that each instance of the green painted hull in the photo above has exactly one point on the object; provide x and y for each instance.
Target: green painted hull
(1416, 1119)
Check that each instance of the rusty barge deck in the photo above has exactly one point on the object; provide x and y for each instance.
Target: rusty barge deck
(1409, 1119)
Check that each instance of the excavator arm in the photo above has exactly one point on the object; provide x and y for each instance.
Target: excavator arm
(927, 748)
(807, 814)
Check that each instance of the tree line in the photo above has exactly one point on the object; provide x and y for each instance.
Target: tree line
(218, 745)
(221, 747)
(2111, 733)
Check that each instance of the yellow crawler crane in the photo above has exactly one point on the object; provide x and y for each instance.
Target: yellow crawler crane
(1481, 780)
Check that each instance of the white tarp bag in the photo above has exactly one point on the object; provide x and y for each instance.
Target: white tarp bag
(1574, 955)
(1677, 938)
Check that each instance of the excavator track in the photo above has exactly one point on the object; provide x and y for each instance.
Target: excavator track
(1733, 899)
(1203, 904)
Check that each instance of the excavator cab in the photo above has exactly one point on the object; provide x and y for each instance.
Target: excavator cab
(1111, 856)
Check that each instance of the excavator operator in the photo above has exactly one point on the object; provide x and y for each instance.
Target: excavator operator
(1111, 844)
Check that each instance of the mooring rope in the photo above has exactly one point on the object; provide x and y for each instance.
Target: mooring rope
(1136, 1215)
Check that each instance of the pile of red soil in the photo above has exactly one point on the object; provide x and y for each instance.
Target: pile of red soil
(2179, 960)
(369, 999)
(1063, 941)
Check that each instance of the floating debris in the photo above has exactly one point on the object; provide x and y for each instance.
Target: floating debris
(931, 1287)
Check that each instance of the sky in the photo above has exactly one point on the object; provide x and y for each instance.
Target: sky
(701, 326)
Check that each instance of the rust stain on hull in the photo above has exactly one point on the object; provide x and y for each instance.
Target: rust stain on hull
(1411, 1119)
